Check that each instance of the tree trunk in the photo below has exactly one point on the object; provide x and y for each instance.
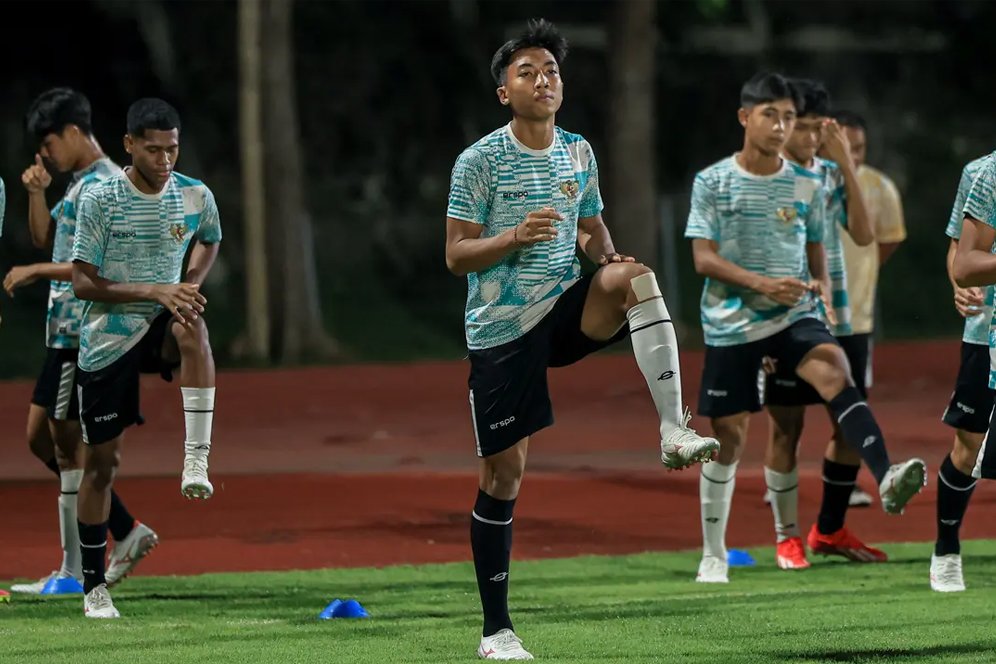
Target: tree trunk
(632, 209)
(253, 183)
(302, 333)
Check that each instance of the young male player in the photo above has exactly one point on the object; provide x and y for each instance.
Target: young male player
(132, 235)
(521, 200)
(786, 395)
(756, 225)
(60, 121)
(971, 402)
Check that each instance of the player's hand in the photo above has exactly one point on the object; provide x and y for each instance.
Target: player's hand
(605, 259)
(769, 364)
(817, 288)
(183, 300)
(538, 226)
(785, 290)
(36, 177)
(835, 143)
(22, 275)
(968, 301)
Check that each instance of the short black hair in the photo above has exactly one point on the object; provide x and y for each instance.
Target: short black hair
(850, 119)
(539, 33)
(814, 96)
(767, 86)
(53, 110)
(151, 113)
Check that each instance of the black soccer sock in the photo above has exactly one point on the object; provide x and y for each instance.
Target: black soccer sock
(491, 541)
(860, 430)
(53, 465)
(954, 490)
(838, 482)
(93, 546)
(120, 521)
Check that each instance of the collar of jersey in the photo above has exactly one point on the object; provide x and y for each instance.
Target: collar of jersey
(545, 152)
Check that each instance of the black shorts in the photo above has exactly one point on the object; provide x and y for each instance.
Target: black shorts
(509, 397)
(732, 381)
(785, 388)
(109, 397)
(972, 400)
(55, 390)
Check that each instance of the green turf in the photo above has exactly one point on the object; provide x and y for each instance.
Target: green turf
(642, 608)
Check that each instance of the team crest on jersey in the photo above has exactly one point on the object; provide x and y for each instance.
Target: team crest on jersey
(569, 188)
(787, 214)
(178, 231)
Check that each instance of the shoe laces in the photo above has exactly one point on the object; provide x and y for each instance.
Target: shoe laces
(195, 465)
(99, 598)
(684, 434)
(506, 641)
(950, 571)
(793, 546)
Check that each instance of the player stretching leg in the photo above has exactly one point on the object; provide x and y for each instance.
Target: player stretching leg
(521, 200)
(133, 232)
(756, 225)
(60, 121)
(786, 395)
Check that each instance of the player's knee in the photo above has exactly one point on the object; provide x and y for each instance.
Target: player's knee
(640, 283)
(192, 338)
(966, 449)
(101, 467)
(503, 480)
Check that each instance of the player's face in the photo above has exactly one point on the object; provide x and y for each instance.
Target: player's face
(768, 125)
(533, 87)
(805, 139)
(59, 151)
(859, 144)
(154, 154)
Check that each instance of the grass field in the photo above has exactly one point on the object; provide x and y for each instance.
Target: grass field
(641, 608)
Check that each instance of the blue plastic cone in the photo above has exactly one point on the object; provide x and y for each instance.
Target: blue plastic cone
(62, 586)
(326, 613)
(739, 558)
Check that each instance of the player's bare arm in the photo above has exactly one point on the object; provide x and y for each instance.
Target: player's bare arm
(36, 180)
(596, 242)
(202, 257)
(968, 301)
(974, 262)
(183, 300)
(838, 148)
(816, 256)
(467, 251)
(709, 263)
(25, 275)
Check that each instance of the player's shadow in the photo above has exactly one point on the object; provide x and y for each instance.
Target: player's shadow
(895, 654)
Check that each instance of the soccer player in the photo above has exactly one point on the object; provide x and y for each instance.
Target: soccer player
(133, 231)
(786, 395)
(885, 209)
(756, 225)
(521, 200)
(60, 121)
(972, 400)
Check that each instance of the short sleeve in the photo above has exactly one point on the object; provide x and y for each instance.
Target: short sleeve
(890, 227)
(90, 240)
(980, 203)
(470, 188)
(816, 217)
(209, 228)
(591, 200)
(703, 221)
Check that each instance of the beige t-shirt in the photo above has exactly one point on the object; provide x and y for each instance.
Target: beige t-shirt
(861, 263)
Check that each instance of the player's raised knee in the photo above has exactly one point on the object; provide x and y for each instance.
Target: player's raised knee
(192, 337)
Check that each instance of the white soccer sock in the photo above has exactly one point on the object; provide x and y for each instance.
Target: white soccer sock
(72, 561)
(715, 494)
(784, 491)
(198, 415)
(656, 349)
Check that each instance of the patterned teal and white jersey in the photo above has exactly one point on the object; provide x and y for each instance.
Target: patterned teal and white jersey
(976, 327)
(496, 182)
(3, 205)
(64, 310)
(836, 222)
(981, 204)
(136, 238)
(762, 224)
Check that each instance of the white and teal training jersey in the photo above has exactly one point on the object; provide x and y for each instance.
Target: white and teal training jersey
(835, 203)
(64, 310)
(136, 238)
(761, 223)
(3, 205)
(496, 182)
(976, 327)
